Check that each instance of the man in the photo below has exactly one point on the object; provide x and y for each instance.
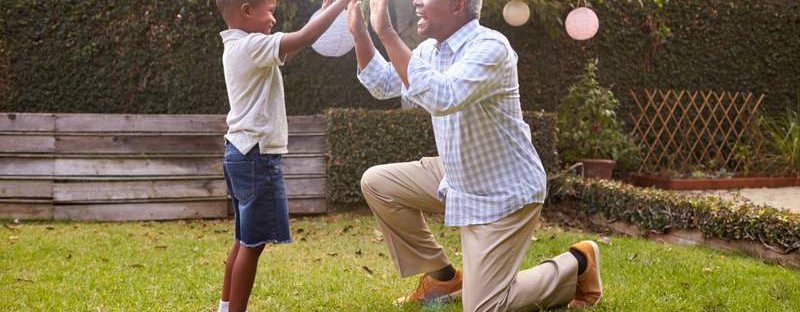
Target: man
(488, 179)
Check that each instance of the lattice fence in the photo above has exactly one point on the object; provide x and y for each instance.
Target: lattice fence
(681, 131)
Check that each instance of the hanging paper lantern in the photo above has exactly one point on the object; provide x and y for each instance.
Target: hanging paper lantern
(582, 23)
(516, 13)
(337, 40)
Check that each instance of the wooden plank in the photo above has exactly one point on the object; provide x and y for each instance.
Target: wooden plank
(120, 191)
(26, 189)
(26, 209)
(165, 144)
(137, 166)
(104, 191)
(38, 166)
(304, 164)
(120, 166)
(308, 206)
(305, 186)
(307, 144)
(306, 124)
(169, 123)
(142, 211)
(17, 122)
(140, 123)
(27, 143)
(153, 144)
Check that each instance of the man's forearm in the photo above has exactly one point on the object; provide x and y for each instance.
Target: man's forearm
(399, 53)
(365, 49)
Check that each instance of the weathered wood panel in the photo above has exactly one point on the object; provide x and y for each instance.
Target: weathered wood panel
(142, 211)
(20, 209)
(27, 143)
(26, 188)
(15, 122)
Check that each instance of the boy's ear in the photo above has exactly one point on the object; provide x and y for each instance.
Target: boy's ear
(246, 9)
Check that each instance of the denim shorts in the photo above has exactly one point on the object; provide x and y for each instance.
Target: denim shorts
(255, 183)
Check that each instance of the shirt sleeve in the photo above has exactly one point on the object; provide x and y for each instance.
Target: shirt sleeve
(265, 49)
(380, 78)
(477, 75)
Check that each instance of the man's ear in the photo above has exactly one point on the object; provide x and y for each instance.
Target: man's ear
(459, 5)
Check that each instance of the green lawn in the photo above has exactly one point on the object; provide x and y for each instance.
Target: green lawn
(337, 263)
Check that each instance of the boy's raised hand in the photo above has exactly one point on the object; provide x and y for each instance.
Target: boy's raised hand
(293, 42)
(355, 19)
(326, 3)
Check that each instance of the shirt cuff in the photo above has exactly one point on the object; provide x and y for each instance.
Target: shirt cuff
(418, 77)
(441, 193)
(373, 73)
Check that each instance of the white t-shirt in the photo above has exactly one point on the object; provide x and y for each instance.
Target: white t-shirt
(255, 91)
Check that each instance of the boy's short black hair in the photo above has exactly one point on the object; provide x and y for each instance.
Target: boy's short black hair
(224, 4)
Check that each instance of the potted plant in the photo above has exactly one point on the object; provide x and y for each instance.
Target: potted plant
(588, 130)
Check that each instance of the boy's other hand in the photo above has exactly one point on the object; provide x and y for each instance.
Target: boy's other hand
(326, 3)
(355, 19)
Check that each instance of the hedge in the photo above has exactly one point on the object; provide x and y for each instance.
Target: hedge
(661, 211)
(359, 139)
(139, 56)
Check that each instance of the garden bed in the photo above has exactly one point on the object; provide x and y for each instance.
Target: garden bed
(765, 232)
(668, 183)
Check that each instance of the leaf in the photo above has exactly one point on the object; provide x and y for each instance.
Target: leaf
(366, 269)
(344, 230)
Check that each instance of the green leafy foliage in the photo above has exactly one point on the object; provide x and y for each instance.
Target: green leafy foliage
(661, 211)
(588, 125)
(139, 57)
(783, 141)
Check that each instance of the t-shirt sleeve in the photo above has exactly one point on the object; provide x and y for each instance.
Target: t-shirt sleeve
(265, 49)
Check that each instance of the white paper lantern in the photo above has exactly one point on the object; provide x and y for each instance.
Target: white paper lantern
(516, 13)
(582, 23)
(337, 40)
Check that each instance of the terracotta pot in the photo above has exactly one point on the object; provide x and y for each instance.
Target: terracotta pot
(597, 168)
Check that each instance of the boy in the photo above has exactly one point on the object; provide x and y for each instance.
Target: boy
(257, 132)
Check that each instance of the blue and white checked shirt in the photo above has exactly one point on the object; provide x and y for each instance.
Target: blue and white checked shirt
(469, 85)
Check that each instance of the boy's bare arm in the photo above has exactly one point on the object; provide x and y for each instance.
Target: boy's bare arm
(293, 42)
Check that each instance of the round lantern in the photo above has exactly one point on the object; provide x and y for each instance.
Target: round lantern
(582, 23)
(516, 13)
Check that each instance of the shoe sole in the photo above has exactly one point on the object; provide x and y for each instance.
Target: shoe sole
(597, 266)
(441, 299)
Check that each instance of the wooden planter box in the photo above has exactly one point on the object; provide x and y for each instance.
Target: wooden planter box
(714, 184)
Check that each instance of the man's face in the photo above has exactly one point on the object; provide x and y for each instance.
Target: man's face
(259, 16)
(435, 17)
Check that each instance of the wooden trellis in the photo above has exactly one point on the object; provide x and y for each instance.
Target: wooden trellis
(680, 131)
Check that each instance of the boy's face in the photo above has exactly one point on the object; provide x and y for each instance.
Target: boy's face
(258, 16)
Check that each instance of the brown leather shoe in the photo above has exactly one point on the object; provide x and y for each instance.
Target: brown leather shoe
(590, 287)
(429, 290)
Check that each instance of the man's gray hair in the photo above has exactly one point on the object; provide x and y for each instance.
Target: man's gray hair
(473, 8)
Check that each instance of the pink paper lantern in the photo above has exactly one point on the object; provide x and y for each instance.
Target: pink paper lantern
(582, 23)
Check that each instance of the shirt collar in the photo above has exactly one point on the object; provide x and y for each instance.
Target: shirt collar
(457, 39)
(232, 34)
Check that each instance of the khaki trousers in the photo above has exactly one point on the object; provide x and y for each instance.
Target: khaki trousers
(399, 193)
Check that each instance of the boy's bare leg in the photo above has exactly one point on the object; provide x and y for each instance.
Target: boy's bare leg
(226, 283)
(243, 276)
